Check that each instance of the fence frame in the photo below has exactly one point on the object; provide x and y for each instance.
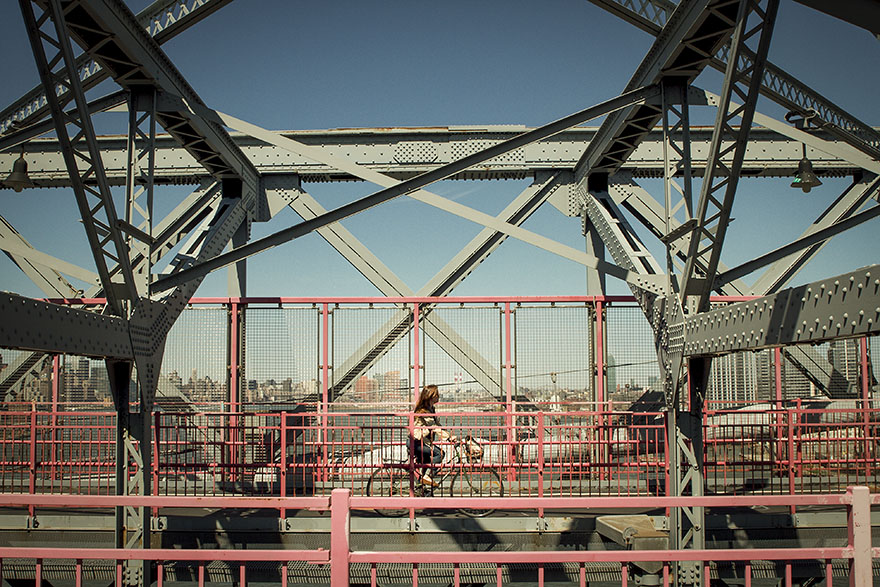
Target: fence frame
(858, 551)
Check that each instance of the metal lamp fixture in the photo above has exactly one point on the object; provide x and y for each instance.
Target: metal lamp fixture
(805, 178)
(19, 179)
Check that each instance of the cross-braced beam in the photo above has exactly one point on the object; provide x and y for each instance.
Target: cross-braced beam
(51, 45)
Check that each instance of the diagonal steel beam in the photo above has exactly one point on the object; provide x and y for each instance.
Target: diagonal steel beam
(841, 209)
(111, 34)
(476, 251)
(793, 256)
(695, 31)
(49, 280)
(48, 32)
(776, 84)
(636, 200)
(713, 212)
(637, 96)
(163, 19)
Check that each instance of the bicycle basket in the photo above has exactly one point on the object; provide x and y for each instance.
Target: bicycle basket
(473, 450)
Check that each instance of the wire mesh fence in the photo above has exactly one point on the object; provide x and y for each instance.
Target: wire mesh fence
(322, 392)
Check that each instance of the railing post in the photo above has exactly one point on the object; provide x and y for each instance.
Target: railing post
(867, 407)
(325, 389)
(603, 420)
(340, 532)
(859, 533)
(53, 426)
(234, 398)
(540, 457)
(32, 465)
(508, 396)
(416, 358)
(282, 461)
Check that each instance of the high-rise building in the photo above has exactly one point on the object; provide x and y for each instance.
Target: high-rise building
(733, 379)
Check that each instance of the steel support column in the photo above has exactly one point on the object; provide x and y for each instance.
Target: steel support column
(138, 224)
(133, 458)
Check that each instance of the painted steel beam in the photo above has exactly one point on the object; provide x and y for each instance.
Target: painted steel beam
(838, 307)
(163, 20)
(111, 34)
(499, 225)
(14, 138)
(42, 274)
(695, 31)
(393, 152)
(636, 200)
(36, 325)
(791, 258)
(722, 177)
(776, 84)
(820, 371)
(484, 372)
(444, 172)
(842, 209)
(48, 34)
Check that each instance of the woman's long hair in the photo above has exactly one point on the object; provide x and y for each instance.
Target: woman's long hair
(428, 395)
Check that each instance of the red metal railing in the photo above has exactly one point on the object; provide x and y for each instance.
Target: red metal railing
(857, 552)
(541, 454)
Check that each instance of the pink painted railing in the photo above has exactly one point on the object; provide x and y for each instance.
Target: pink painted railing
(858, 551)
(538, 454)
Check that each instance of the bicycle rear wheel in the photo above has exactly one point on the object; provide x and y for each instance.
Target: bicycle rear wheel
(477, 483)
(389, 482)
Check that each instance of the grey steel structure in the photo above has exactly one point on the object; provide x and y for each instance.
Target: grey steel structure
(251, 173)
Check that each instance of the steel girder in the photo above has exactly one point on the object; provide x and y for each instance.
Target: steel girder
(713, 213)
(163, 20)
(411, 185)
(390, 285)
(769, 154)
(838, 307)
(695, 31)
(141, 163)
(347, 165)
(108, 31)
(42, 326)
(81, 154)
(652, 15)
(45, 274)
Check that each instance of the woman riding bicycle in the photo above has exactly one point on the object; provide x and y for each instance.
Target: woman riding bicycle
(426, 429)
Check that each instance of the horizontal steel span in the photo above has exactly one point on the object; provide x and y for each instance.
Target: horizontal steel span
(404, 152)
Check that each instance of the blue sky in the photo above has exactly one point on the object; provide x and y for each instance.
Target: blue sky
(295, 65)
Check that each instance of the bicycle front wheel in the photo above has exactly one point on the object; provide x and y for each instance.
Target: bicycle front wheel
(477, 483)
(389, 482)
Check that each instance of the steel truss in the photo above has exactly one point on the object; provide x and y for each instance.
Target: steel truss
(597, 183)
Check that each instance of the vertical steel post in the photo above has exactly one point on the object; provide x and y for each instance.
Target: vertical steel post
(32, 461)
(780, 414)
(340, 535)
(282, 464)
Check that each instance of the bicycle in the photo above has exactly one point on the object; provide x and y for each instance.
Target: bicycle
(467, 478)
